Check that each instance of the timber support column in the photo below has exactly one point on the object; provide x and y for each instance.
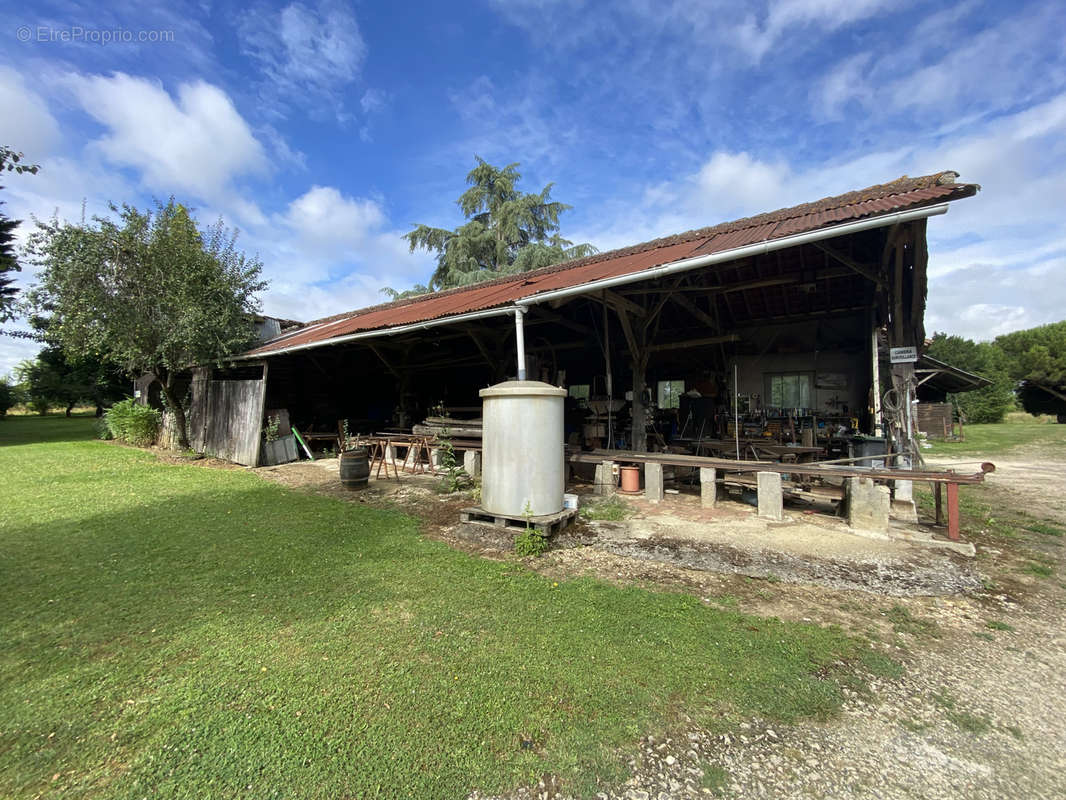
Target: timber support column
(640, 412)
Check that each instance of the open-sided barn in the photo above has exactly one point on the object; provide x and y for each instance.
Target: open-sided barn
(769, 323)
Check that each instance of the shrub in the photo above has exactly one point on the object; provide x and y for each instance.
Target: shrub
(7, 397)
(530, 543)
(131, 422)
(101, 430)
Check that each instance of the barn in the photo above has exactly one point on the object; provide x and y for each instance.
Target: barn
(791, 335)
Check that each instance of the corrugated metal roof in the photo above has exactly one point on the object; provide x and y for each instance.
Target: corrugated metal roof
(903, 194)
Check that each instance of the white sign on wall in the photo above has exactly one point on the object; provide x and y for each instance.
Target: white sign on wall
(903, 355)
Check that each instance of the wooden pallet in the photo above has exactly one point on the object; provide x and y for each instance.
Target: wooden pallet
(544, 524)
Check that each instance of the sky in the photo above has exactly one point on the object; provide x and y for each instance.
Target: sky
(323, 131)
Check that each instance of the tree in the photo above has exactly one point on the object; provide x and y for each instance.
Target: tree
(507, 232)
(1036, 358)
(8, 396)
(51, 379)
(989, 403)
(11, 162)
(149, 293)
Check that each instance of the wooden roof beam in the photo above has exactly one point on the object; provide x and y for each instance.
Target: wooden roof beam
(850, 263)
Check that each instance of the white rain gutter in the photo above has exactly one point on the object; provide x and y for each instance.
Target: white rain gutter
(521, 306)
(376, 332)
(759, 248)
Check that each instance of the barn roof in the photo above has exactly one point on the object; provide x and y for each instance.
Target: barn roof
(903, 194)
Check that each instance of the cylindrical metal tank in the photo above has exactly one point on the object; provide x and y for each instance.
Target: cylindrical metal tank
(522, 464)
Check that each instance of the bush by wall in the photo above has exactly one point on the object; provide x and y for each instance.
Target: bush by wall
(131, 422)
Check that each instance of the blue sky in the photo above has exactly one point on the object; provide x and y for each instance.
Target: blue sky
(324, 130)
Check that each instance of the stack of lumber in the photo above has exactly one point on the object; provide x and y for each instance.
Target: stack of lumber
(453, 428)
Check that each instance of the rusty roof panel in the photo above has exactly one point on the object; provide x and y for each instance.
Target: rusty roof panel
(904, 193)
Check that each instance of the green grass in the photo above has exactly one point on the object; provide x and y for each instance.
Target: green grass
(904, 622)
(971, 723)
(1038, 570)
(1044, 528)
(715, 779)
(1020, 430)
(611, 508)
(187, 633)
(998, 625)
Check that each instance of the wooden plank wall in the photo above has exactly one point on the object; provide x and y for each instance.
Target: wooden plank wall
(935, 420)
(227, 419)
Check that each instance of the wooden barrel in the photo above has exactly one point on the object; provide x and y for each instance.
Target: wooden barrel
(355, 468)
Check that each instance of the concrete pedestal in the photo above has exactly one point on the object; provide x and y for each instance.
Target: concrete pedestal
(653, 482)
(472, 463)
(708, 487)
(868, 505)
(605, 484)
(771, 498)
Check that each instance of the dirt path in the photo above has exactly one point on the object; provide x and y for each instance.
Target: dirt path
(1035, 481)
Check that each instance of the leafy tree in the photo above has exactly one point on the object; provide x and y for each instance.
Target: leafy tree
(1036, 358)
(11, 162)
(8, 396)
(989, 403)
(148, 292)
(507, 231)
(53, 380)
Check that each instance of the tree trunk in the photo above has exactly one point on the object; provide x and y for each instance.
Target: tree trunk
(69, 409)
(174, 404)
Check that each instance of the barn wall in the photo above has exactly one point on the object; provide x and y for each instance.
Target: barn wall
(225, 418)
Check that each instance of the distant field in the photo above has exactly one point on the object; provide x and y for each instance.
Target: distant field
(1018, 432)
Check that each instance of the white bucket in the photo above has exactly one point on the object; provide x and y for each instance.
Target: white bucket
(569, 501)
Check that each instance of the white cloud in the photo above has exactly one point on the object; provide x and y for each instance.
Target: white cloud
(307, 55)
(328, 252)
(789, 16)
(26, 123)
(195, 143)
(943, 70)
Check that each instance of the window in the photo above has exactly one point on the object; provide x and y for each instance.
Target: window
(670, 393)
(789, 390)
(580, 392)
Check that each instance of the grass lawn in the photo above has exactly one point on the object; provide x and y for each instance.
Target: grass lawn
(184, 632)
(1020, 430)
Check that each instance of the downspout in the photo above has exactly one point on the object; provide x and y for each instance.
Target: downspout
(520, 341)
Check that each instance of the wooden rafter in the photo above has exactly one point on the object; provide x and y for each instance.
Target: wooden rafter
(865, 270)
(694, 310)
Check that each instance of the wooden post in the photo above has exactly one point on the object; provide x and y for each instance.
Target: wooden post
(938, 495)
(640, 413)
(953, 511)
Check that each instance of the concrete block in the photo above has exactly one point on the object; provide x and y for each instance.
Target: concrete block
(771, 499)
(708, 487)
(434, 457)
(653, 482)
(605, 482)
(868, 505)
(472, 463)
